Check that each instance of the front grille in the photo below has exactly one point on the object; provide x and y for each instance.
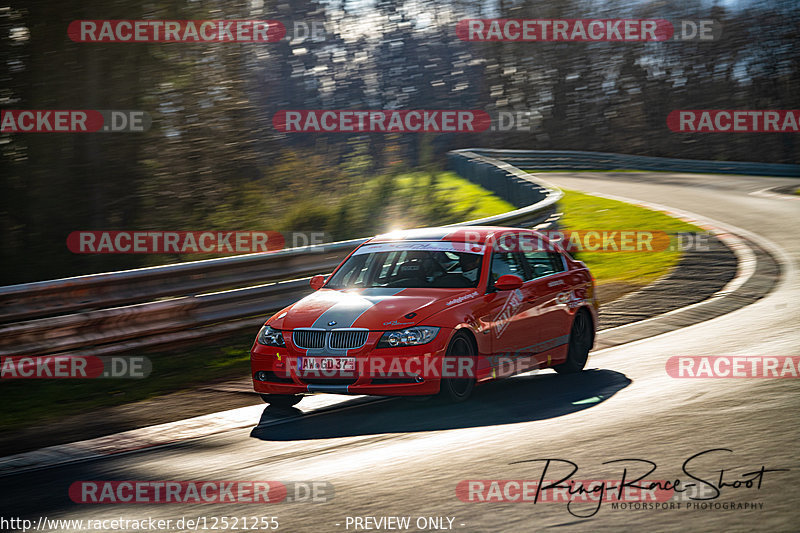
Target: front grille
(340, 339)
(352, 338)
(308, 338)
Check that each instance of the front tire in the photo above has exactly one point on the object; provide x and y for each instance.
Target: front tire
(282, 400)
(581, 338)
(455, 389)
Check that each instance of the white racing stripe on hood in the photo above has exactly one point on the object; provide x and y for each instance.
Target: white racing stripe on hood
(346, 312)
(352, 306)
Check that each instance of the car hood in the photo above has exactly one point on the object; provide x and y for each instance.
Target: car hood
(375, 309)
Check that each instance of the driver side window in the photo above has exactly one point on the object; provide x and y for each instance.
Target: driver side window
(506, 263)
(390, 266)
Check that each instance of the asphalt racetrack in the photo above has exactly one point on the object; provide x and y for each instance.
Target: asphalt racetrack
(398, 458)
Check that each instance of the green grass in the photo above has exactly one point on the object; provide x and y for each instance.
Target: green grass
(462, 195)
(393, 201)
(586, 212)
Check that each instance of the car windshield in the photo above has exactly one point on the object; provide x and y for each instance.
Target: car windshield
(410, 267)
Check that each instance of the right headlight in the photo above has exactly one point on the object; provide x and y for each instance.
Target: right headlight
(269, 336)
(408, 337)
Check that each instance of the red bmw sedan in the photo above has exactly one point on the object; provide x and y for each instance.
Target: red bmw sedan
(430, 311)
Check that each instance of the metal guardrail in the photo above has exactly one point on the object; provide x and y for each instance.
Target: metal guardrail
(49, 298)
(117, 312)
(575, 160)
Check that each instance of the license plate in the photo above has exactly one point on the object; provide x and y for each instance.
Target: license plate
(329, 364)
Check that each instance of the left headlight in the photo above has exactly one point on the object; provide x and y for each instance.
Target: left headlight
(408, 337)
(270, 337)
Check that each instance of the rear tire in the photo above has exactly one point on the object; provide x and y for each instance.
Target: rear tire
(581, 338)
(458, 389)
(282, 400)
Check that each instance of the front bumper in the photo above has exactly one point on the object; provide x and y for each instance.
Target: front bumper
(404, 371)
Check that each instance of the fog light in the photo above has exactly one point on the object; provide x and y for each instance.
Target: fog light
(261, 375)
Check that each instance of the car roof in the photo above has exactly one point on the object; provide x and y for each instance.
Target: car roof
(471, 234)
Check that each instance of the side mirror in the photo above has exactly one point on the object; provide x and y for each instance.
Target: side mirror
(508, 282)
(317, 282)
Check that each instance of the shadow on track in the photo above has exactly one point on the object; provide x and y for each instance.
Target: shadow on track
(510, 401)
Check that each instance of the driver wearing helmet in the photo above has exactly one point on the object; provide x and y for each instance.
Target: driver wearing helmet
(470, 266)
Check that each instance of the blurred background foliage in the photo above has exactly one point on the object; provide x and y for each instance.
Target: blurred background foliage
(212, 159)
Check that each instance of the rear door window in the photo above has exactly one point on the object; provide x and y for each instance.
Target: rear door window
(544, 263)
